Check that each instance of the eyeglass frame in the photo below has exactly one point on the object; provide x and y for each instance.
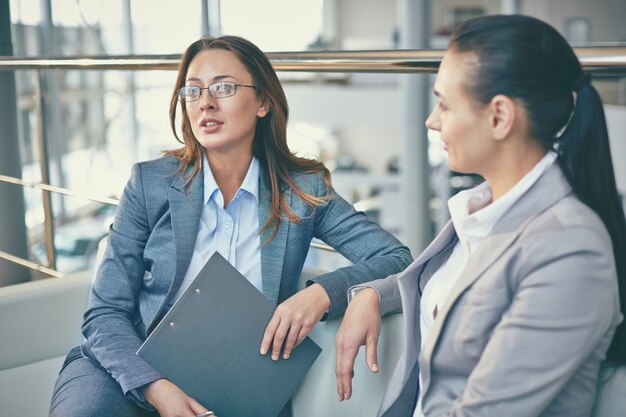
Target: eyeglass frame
(180, 96)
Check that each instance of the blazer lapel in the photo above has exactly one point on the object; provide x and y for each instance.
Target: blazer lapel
(548, 190)
(272, 252)
(185, 211)
(408, 281)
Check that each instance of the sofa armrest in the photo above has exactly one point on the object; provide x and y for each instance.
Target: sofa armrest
(41, 319)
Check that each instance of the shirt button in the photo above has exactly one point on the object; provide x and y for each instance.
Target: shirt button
(223, 251)
(227, 225)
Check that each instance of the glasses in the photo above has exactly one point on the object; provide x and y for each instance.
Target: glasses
(217, 90)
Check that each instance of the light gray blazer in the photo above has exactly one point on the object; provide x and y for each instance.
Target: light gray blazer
(526, 325)
(151, 243)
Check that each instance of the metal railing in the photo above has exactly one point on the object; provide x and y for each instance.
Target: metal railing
(599, 60)
(607, 60)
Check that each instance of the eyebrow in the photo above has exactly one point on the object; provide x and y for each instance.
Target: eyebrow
(216, 78)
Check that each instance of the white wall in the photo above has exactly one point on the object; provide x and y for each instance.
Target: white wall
(606, 17)
(366, 24)
(365, 118)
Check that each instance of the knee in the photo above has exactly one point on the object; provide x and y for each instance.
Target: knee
(84, 390)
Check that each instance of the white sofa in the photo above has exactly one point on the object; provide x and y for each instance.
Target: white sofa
(40, 321)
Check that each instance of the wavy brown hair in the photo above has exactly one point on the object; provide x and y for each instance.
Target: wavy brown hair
(269, 146)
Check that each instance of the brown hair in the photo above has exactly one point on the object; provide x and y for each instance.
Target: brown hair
(270, 138)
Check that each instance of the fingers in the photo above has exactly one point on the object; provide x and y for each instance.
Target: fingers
(270, 331)
(279, 338)
(344, 367)
(292, 340)
(198, 409)
(275, 333)
(299, 330)
(293, 320)
(371, 356)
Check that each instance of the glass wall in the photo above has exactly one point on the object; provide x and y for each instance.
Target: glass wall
(98, 123)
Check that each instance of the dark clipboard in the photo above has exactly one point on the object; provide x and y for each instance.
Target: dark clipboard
(208, 345)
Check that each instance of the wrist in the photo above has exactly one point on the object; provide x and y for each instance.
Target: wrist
(321, 295)
(149, 390)
(368, 295)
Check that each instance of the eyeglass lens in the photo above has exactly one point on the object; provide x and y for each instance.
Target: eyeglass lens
(217, 90)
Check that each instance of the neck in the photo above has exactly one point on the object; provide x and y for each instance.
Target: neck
(511, 169)
(229, 172)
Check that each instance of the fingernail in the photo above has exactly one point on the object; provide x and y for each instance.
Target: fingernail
(345, 396)
(274, 357)
(262, 351)
(375, 367)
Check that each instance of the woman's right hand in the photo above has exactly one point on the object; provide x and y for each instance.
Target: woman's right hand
(171, 401)
(360, 326)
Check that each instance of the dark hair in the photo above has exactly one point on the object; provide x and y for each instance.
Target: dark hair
(270, 137)
(527, 59)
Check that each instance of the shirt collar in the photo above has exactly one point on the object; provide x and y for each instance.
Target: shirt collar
(472, 211)
(250, 182)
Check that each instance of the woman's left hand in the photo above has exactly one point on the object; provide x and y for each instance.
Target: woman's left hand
(293, 320)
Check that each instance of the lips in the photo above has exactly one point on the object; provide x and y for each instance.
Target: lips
(210, 125)
(207, 122)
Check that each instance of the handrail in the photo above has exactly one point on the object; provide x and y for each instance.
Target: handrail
(606, 60)
(59, 190)
(600, 60)
(32, 265)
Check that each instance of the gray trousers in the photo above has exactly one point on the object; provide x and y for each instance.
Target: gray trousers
(84, 389)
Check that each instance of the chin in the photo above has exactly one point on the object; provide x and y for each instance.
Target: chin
(457, 167)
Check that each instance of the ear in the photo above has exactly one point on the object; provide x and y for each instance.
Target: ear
(264, 108)
(503, 114)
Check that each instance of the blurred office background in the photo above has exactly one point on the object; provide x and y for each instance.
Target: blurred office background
(367, 127)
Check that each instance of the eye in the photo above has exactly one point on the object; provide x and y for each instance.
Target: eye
(222, 89)
(441, 106)
(188, 93)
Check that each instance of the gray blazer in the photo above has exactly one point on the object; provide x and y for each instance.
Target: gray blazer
(151, 242)
(526, 325)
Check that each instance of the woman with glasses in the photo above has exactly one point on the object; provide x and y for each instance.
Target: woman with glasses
(512, 308)
(235, 188)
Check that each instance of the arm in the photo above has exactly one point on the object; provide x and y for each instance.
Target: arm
(374, 252)
(564, 307)
(108, 327)
(361, 327)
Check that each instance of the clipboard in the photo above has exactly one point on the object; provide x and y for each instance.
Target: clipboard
(208, 345)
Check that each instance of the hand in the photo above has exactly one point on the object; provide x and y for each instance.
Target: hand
(293, 320)
(360, 326)
(171, 401)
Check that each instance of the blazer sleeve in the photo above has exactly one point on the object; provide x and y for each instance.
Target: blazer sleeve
(374, 252)
(388, 289)
(108, 322)
(564, 307)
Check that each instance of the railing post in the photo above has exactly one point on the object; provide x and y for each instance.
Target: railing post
(45, 172)
(12, 213)
(417, 230)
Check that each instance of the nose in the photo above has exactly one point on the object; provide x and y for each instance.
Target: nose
(206, 101)
(433, 122)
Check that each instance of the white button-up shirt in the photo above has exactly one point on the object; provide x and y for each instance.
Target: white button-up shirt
(232, 231)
